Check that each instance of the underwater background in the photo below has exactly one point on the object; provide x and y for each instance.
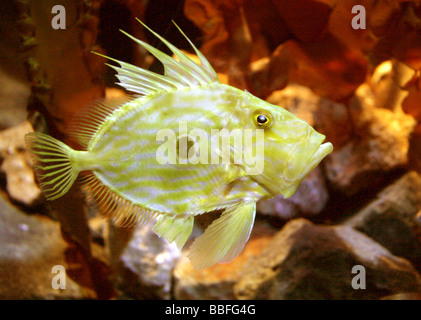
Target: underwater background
(351, 69)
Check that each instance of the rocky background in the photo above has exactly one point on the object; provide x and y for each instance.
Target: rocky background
(351, 231)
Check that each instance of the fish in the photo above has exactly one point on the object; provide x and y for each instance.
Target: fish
(161, 157)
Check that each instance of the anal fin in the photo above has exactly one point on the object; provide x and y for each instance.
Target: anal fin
(224, 239)
(175, 228)
(122, 212)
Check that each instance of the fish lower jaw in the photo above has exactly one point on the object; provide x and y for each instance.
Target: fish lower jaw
(323, 150)
(317, 157)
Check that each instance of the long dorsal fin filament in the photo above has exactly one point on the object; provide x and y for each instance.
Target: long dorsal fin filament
(179, 73)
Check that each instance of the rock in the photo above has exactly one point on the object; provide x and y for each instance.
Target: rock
(310, 199)
(404, 296)
(418, 218)
(381, 144)
(384, 82)
(14, 88)
(265, 76)
(279, 207)
(13, 138)
(97, 226)
(326, 66)
(21, 185)
(308, 261)
(17, 166)
(390, 218)
(217, 282)
(30, 247)
(298, 99)
(142, 262)
(14, 96)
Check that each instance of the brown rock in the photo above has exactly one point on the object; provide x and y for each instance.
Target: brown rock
(307, 261)
(381, 143)
(17, 166)
(310, 199)
(389, 84)
(306, 25)
(217, 282)
(30, 247)
(265, 75)
(402, 39)
(14, 89)
(142, 262)
(418, 218)
(326, 116)
(327, 66)
(12, 139)
(390, 218)
(404, 296)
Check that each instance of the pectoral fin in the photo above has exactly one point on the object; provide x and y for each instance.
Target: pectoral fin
(224, 239)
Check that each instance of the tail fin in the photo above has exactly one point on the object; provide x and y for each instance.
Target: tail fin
(52, 164)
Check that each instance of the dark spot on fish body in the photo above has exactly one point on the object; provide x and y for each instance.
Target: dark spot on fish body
(184, 147)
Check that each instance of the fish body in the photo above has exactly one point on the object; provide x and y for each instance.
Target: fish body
(135, 173)
(162, 154)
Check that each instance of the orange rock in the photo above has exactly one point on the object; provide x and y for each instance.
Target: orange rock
(217, 282)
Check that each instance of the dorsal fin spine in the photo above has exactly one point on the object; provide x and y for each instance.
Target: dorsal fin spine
(182, 73)
(195, 69)
(206, 66)
(146, 74)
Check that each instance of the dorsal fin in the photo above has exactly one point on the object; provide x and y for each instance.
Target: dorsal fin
(180, 73)
(85, 123)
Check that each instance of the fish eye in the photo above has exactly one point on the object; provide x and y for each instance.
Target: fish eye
(262, 119)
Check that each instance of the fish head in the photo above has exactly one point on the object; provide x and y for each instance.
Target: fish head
(285, 151)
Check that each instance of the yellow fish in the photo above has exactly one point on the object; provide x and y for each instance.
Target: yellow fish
(184, 145)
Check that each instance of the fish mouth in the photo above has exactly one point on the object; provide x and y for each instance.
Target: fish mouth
(271, 184)
(322, 151)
